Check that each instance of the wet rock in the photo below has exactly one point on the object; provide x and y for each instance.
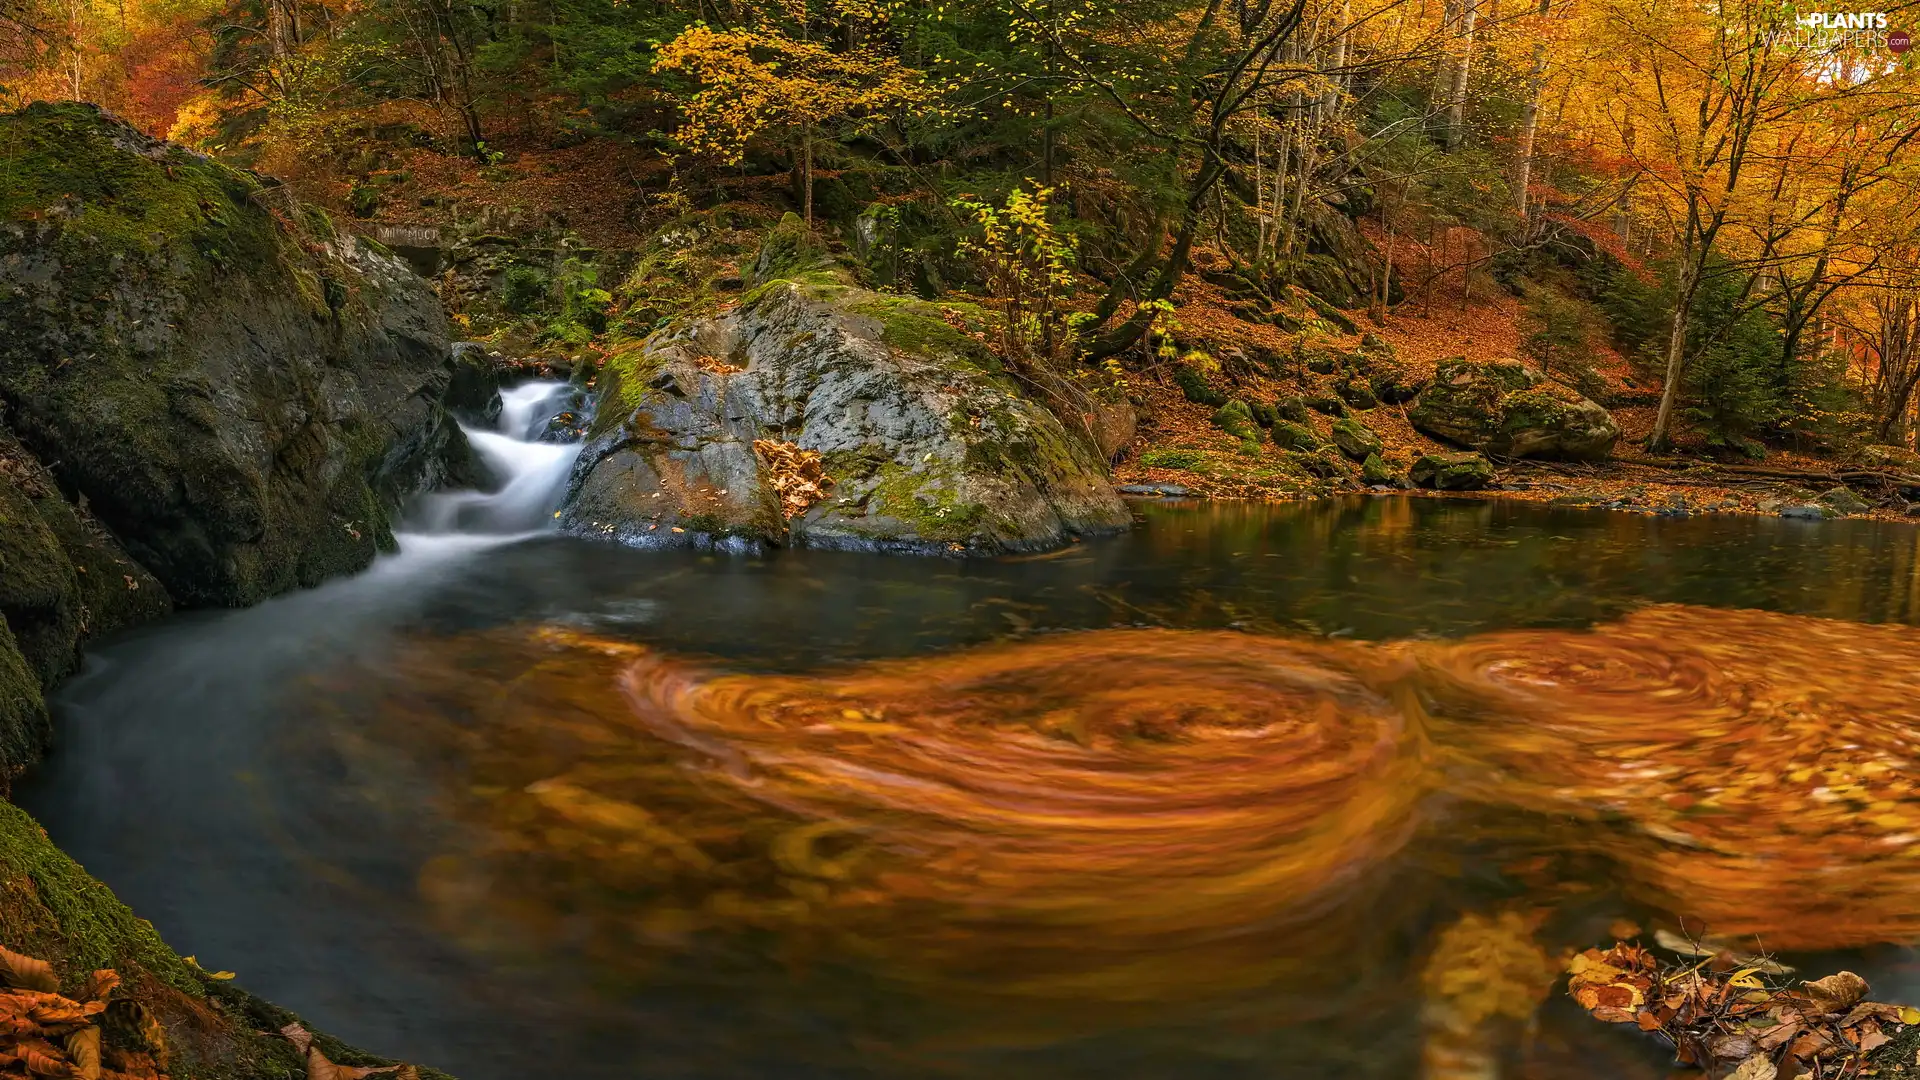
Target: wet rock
(1843, 500)
(1451, 472)
(473, 389)
(1505, 407)
(1806, 512)
(241, 394)
(1355, 439)
(929, 444)
(1913, 509)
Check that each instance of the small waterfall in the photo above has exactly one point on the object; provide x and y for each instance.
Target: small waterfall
(532, 471)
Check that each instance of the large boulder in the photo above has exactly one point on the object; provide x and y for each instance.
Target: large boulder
(926, 443)
(1506, 408)
(238, 394)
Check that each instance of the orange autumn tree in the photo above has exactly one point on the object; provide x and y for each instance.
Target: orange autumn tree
(760, 80)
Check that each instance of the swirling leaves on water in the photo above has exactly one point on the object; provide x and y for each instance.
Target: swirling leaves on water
(1141, 815)
(1758, 761)
(1095, 814)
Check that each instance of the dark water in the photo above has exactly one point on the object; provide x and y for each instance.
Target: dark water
(269, 789)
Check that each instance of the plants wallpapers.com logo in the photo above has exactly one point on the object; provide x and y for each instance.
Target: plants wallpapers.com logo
(1845, 30)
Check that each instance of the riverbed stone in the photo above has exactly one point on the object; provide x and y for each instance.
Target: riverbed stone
(1507, 408)
(930, 445)
(1451, 472)
(241, 393)
(1807, 512)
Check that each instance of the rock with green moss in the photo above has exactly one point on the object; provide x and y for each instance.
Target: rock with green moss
(63, 576)
(240, 394)
(1293, 408)
(52, 909)
(1376, 471)
(1355, 439)
(1195, 387)
(1291, 436)
(1505, 407)
(1236, 419)
(1356, 389)
(1451, 472)
(929, 444)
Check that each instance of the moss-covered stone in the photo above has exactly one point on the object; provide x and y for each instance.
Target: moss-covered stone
(1291, 436)
(1504, 407)
(1355, 439)
(241, 395)
(24, 725)
(1375, 470)
(1236, 419)
(1451, 472)
(930, 446)
(790, 250)
(1196, 388)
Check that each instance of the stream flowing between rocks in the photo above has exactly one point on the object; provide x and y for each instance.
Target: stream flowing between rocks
(1287, 790)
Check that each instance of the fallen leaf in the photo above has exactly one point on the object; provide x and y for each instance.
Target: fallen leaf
(83, 1049)
(27, 973)
(1756, 1067)
(1836, 992)
(1612, 1015)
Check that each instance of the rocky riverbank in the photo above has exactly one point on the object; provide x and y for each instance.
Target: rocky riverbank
(208, 396)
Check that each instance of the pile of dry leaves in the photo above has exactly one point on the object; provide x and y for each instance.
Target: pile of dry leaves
(1719, 1016)
(44, 1033)
(797, 475)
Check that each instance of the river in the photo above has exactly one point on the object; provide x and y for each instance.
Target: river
(1287, 790)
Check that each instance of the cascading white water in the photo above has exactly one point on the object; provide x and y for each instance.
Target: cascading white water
(532, 472)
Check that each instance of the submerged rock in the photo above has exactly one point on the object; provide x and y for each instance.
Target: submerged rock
(927, 442)
(1505, 407)
(240, 394)
(1451, 472)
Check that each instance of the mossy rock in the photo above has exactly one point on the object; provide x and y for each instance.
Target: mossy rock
(1356, 390)
(1196, 388)
(1264, 413)
(1376, 471)
(929, 446)
(1236, 419)
(1451, 472)
(790, 251)
(1505, 407)
(24, 724)
(1293, 409)
(1325, 404)
(1291, 436)
(1355, 439)
(242, 395)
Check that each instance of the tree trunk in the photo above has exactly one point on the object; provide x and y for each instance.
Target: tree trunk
(1463, 62)
(1529, 125)
(1676, 355)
